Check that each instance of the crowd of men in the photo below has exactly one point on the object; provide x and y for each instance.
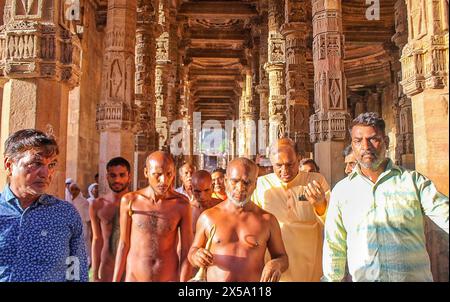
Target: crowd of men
(239, 224)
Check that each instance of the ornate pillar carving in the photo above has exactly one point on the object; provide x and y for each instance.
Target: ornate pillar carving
(404, 151)
(161, 77)
(185, 113)
(263, 87)
(275, 68)
(144, 87)
(40, 59)
(166, 74)
(328, 125)
(425, 80)
(294, 31)
(116, 113)
(173, 95)
(247, 118)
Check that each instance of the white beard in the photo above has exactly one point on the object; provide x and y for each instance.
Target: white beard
(239, 204)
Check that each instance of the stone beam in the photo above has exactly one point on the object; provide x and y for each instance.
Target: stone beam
(214, 53)
(215, 93)
(217, 9)
(214, 71)
(211, 36)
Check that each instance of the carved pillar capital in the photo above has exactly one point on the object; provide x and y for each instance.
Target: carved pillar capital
(400, 38)
(425, 57)
(115, 117)
(117, 109)
(34, 44)
(330, 101)
(144, 76)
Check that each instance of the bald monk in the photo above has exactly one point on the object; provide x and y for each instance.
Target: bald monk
(243, 233)
(202, 194)
(104, 213)
(149, 222)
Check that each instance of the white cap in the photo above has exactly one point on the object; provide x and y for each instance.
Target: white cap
(69, 181)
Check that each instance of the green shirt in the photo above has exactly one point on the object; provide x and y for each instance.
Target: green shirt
(379, 228)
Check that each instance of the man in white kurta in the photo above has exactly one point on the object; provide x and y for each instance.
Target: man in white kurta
(82, 206)
(298, 200)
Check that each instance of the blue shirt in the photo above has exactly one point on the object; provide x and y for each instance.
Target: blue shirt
(41, 243)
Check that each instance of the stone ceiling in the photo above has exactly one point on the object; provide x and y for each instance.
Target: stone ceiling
(217, 33)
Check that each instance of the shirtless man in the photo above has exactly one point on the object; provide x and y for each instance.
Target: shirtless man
(202, 195)
(243, 233)
(104, 212)
(149, 222)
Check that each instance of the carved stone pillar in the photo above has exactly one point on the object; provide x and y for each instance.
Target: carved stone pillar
(263, 88)
(144, 88)
(185, 111)
(294, 31)
(247, 125)
(275, 68)
(241, 125)
(425, 81)
(255, 66)
(116, 111)
(163, 74)
(404, 145)
(82, 142)
(40, 59)
(173, 95)
(328, 126)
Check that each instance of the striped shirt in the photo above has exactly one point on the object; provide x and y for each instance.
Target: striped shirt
(379, 227)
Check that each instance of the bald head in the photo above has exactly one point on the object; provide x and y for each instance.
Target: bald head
(201, 177)
(159, 157)
(283, 144)
(244, 163)
(240, 180)
(285, 159)
(202, 186)
(160, 171)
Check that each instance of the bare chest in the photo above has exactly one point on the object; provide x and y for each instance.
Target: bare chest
(241, 234)
(153, 221)
(107, 212)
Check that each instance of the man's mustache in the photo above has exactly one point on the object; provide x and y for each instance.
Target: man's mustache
(369, 153)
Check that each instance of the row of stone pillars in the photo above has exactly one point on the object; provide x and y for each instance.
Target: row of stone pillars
(40, 54)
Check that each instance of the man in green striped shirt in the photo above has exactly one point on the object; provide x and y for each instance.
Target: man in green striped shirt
(375, 219)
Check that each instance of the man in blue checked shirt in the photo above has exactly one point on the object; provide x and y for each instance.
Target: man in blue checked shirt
(41, 237)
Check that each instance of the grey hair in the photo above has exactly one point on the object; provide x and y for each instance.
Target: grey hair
(371, 119)
(28, 139)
